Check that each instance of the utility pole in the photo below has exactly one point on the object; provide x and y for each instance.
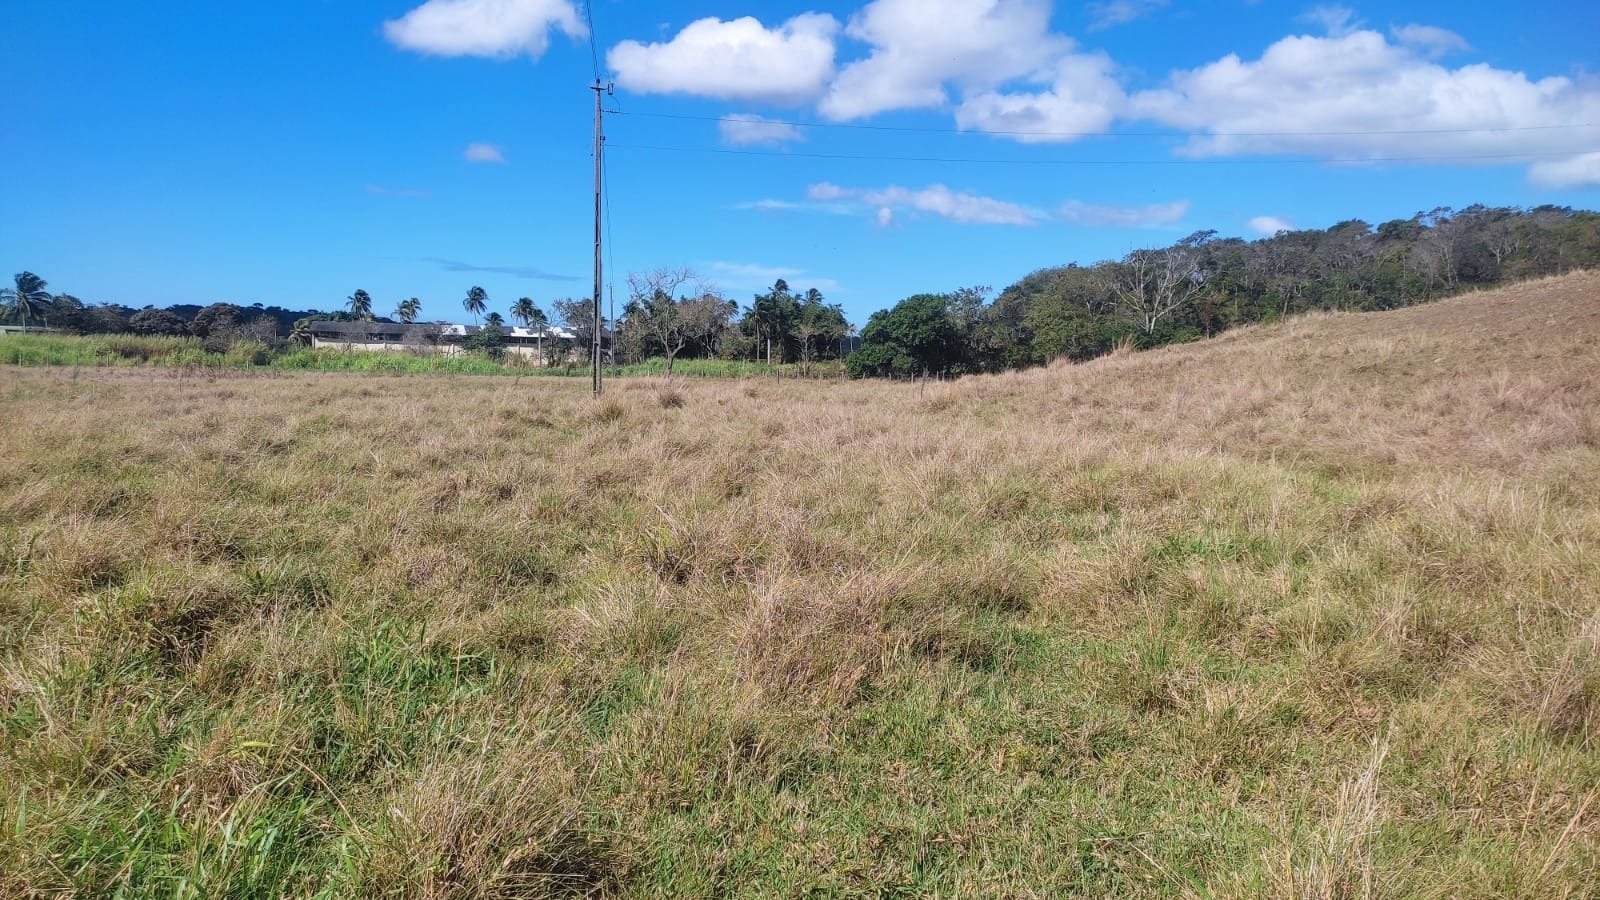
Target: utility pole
(599, 141)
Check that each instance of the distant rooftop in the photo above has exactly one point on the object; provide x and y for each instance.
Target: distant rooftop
(398, 332)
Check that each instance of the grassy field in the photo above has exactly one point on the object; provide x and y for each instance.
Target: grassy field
(1311, 610)
(190, 355)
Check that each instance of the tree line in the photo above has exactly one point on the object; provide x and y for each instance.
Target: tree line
(1196, 287)
(670, 313)
(673, 312)
(29, 303)
(1204, 284)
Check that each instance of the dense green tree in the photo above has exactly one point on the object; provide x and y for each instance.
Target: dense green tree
(67, 313)
(915, 336)
(771, 320)
(151, 320)
(782, 326)
(104, 318)
(217, 317)
(488, 340)
(578, 317)
(818, 327)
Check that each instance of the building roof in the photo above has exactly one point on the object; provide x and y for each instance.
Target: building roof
(387, 331)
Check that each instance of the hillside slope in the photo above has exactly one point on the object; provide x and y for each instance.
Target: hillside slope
(1494, 378)
(1312, 609)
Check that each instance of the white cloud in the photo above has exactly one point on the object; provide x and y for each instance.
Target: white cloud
(483, 153)
(920, 46)
(884, 207)
(1360, 96)
(1581, 171)
(734, 60)
(1337, 21)
(755, 275)
(742, 129)
(1120, 12)
(1267, 226)
(1083, 99)
(746, 273)
(1079, 213)
(499, 29)
(1432, 40)
(771, 205)
(956, 206)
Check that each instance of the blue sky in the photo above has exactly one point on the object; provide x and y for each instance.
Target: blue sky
(290, 152)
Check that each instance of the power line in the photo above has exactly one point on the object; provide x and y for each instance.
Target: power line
(1091, 162)
(1081, 134)
(594, 52)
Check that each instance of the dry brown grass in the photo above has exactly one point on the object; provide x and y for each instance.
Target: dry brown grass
(1306, 609)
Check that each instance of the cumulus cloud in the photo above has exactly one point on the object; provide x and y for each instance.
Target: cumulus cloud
(1581, 171)
(938, 200)
(1267, 226)
(483, 153)
(1083, 98)
(1094, 216)
(1361, 96)
(921, 46)
(498, 29)
(1120, 12)
(743, 129)
(1350, 93)
(740, 59)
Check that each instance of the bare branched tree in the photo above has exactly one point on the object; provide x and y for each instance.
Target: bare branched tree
(669, 318)
(1151, 285)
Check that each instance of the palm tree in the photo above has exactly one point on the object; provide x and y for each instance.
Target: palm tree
(495, 320)
(361, 305)
(477, 301)
(29, 296)
(523, 311)
(300, 335)
(529, 314)
(408, 310)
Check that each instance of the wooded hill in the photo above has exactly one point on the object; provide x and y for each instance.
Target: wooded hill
(1204, 284)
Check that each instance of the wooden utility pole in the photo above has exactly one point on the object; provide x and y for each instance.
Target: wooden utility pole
(599, 141)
